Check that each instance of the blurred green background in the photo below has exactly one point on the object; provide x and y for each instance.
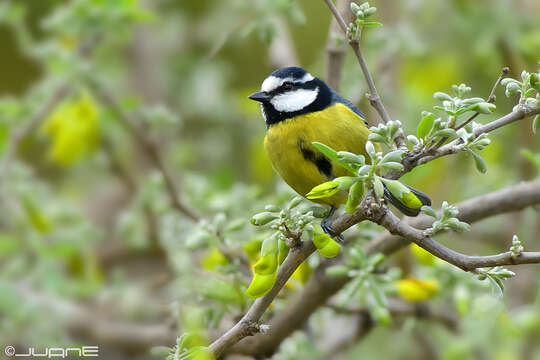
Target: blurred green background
(88, 235)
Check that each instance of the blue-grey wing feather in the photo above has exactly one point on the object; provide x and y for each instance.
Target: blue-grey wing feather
(336, 98)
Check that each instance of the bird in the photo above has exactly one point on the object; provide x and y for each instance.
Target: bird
(300, 109)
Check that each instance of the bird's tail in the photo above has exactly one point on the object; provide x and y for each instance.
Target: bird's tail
(410, 203)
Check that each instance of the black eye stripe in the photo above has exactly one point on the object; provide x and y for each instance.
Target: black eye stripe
(292, 85)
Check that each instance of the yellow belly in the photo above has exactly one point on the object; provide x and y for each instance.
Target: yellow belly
(336, 126)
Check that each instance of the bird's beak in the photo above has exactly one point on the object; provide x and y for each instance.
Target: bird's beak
(259, 96)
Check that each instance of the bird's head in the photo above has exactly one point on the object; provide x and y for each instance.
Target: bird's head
(289, 92)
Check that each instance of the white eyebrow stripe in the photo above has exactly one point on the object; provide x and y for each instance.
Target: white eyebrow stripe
(273, 82)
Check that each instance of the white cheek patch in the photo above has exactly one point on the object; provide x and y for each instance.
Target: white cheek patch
(264, 113)
(294, 100)
(272, 82)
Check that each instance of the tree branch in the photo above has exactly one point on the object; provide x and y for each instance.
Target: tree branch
(320, 288)
(465, 262)
(247, 326)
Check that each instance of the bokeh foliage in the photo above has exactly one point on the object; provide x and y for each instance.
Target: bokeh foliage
(74, 230)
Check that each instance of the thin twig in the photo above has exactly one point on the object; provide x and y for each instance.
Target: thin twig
(150, 148)
(131, 185)
(465, 262)
(335, 49)
(406, 309)
(491, 99)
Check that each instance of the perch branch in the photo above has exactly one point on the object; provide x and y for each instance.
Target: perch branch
(373, 96)
(320, 287)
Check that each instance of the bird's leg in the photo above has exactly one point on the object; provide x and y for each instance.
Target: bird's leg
(327, 228)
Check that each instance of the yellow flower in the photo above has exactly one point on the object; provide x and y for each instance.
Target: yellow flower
(414, 290)
(73, 130)
(302, 273)
(38, 220)
(212, 259)
(423, 256)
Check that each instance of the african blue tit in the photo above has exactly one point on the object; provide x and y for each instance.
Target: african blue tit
(300, 109)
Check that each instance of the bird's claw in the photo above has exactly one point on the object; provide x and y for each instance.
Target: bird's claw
(327, 228)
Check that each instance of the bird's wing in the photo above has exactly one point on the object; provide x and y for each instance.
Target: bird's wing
(336, 98)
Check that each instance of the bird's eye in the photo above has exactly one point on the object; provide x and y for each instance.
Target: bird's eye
(287, 86)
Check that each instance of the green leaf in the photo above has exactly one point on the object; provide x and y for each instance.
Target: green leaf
(536, 124)
(337, 271)
(425, 125)
(371, 24)
(479, 162)
(326, 150)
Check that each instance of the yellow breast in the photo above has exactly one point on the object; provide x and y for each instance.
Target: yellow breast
(289, 147)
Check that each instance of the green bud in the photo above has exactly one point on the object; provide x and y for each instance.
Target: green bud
(441, 96)
(512, 89)
(428, 211)
(354, 8)
(364, 170)
(261, 285)
(356, 193)
(323, 190)
(370, 11)
(266, 265)
(370, 149)
(376, 138)
(378, 187)
(412, 140)
(484, 108)
(272, 208)
(295, 202)
(270, 245)
(382, 315)
(263, 218)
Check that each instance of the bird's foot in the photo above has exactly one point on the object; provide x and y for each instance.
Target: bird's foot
(327, 228)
